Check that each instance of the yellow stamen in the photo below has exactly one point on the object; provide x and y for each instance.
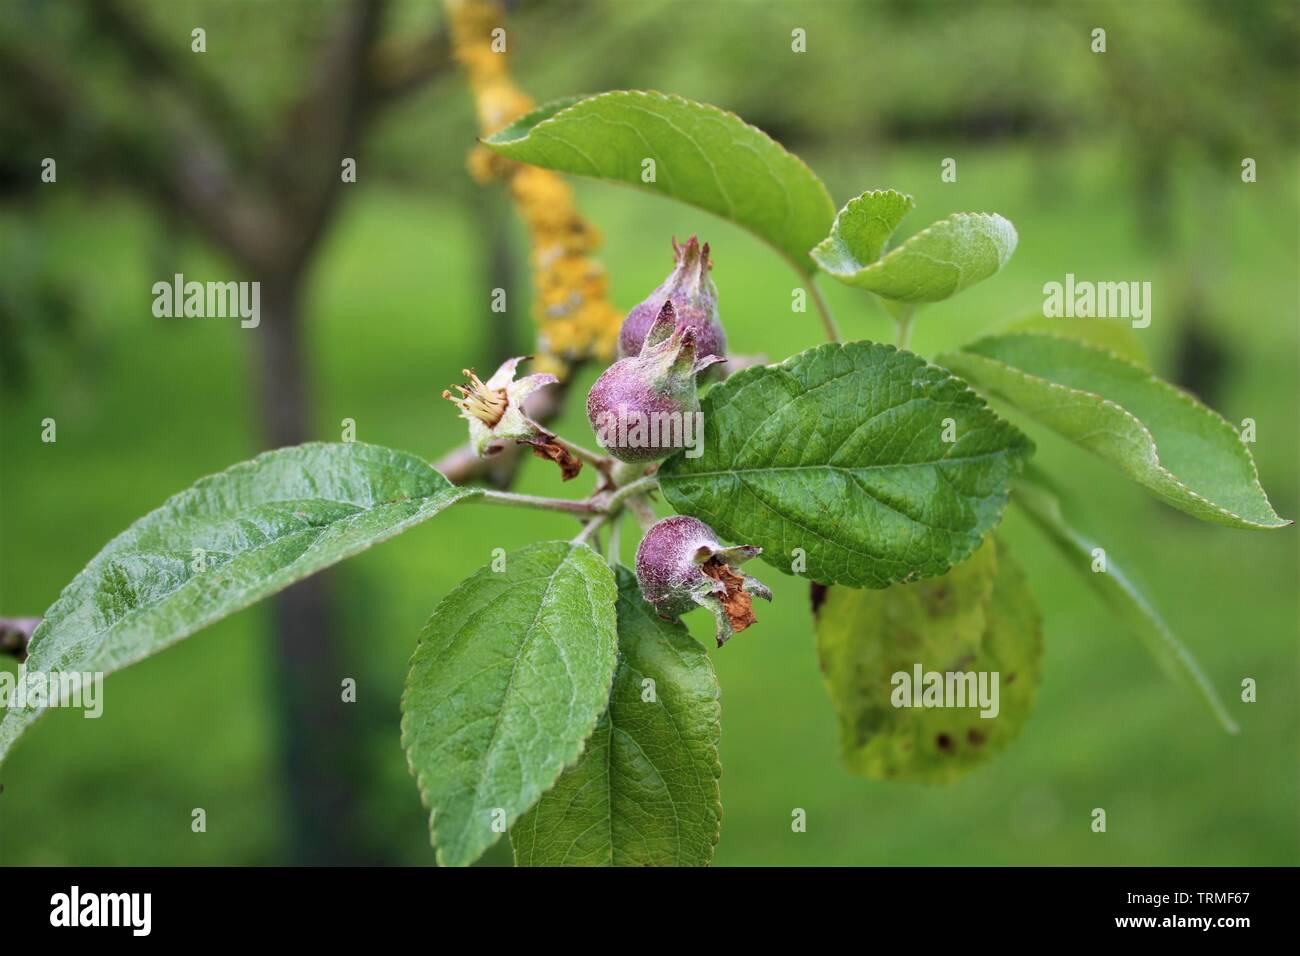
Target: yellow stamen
(478, 401)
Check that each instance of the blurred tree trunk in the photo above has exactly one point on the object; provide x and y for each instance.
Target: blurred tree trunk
(265, 200)
(318, 733)
(281, 365)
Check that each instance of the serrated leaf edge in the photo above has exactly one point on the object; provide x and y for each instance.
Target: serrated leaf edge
(1025, 444)
(65, 595)
(802, 267)
(404, 725)
(715, 755)
(1058, 530)
(834, 238)
(1178, 393)
(878, 265)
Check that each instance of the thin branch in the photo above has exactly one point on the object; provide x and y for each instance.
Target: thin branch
(612, 555)
(399, 67)
(904, 331)
(828, 321)
(590, 528)
(645, 515)
(638, 487)
(196, 176)
(513, 500)
(461, 465)
(323, 127)
(173, 169)
(165, 65)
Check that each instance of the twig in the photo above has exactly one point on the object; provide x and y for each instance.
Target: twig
(828, 321)
(399, 67)
(638, 487)
(904, 319)
(166, 67)
(640, 507)
(612, 555)
(512, 500)
(590, 528)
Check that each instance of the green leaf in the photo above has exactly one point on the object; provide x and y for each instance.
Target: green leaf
(1115, 335)
(1042, 505)
(645, 791)
(509, 678)
(840, 451)
(938, 262)
(702, 155)
(1158, 435)
(230, 540)
(979, 618)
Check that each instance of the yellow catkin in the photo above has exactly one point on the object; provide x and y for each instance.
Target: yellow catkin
(575, 319)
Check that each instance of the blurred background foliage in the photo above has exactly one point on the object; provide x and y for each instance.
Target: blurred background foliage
(1120, 166)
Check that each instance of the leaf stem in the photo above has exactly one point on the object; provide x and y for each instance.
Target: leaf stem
(828, 321)
(590, 528)
(645, 515)
(593, 507)
(512, 500)
(904, 319)
(638, 487)
(612, 555)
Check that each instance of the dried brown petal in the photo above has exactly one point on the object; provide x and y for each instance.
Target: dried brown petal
(545, 446)
(737, 603)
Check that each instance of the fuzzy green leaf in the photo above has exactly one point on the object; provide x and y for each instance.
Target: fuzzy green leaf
(840, 451)
(232, 539)
(702, 155)
(938, 262)
(1158, 435)
(645, 791)
(1042, 505)
(1114, 335)
(508, 680)
(980, 617)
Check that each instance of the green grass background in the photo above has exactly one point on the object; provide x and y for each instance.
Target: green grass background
(146, 406)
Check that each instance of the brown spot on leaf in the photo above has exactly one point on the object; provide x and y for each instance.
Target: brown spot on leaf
(817, 594)
(975, 737)
(944, 743)
(738, 605)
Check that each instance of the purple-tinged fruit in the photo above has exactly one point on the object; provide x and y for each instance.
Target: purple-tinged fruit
(690, 289)
(646, 407)
(681, 565)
